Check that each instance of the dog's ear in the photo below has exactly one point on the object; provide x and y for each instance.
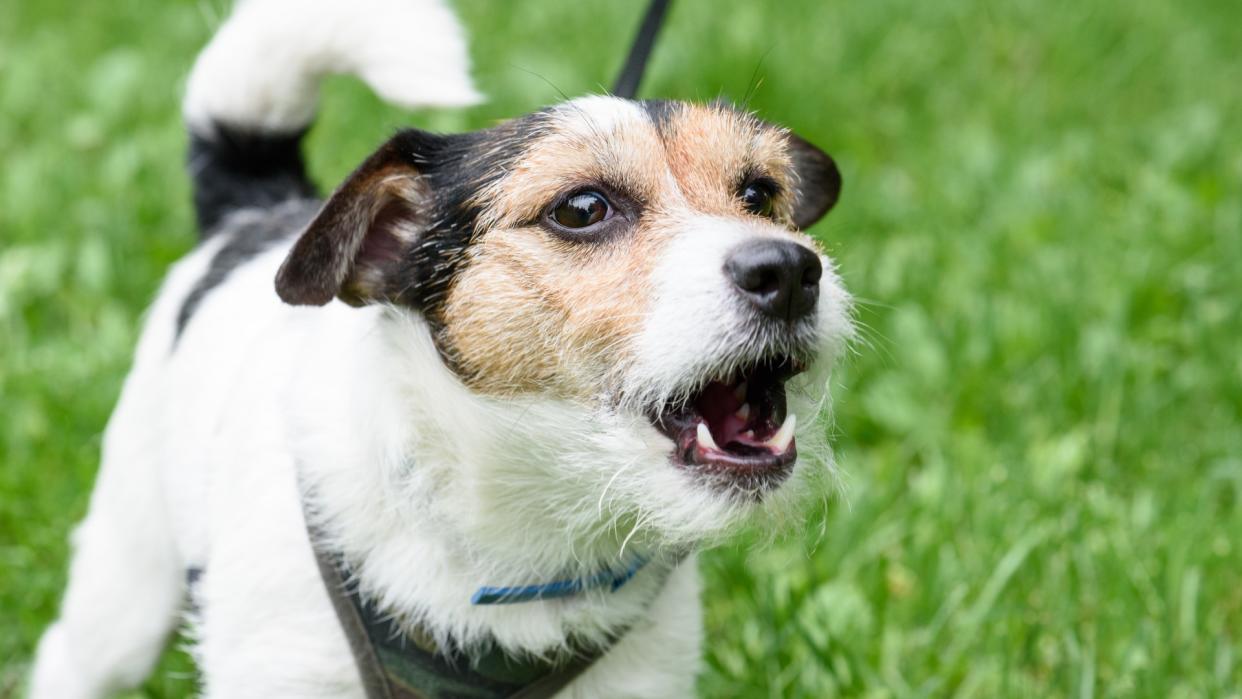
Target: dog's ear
(360, 236)
(819, 181)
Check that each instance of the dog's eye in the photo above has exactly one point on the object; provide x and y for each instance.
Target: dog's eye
(581, 210)
(757, 198)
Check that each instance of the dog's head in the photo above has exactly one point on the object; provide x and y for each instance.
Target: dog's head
(625, 283)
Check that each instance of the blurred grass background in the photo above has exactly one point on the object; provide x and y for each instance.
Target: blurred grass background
(1042, 431)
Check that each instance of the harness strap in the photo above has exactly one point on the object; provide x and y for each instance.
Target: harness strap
(550, 684)
(347, 613)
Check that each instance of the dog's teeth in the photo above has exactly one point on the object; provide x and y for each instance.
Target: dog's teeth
(740, 392)
(780, 441)
(744, 411)
(705, 437)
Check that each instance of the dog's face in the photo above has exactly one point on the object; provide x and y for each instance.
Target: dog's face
(632, 275)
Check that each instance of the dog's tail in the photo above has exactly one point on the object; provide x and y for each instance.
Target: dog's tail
(252, 94)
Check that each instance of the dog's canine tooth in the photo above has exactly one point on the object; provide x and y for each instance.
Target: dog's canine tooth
(705, 437)
(780, 441)
(744, 411)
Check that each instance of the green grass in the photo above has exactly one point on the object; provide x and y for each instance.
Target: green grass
(1042, 431)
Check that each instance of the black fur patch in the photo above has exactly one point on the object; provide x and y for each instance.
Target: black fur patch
(397, 229)
(819, 184)
(192, 577)
(248, 238)
(455, 167)
(661, 113)
(234, 169)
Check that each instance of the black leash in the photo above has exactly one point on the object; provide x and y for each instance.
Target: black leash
(640, 51)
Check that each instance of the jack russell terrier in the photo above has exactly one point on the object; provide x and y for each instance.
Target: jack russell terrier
(495, 391)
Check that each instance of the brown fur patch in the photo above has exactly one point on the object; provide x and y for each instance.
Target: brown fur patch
(711, 148)
(530, 313)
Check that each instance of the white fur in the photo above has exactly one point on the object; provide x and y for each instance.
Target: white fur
(595, 117)
(428, 489)
(263, 67)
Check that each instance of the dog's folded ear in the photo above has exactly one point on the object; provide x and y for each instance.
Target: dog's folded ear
(819, 181)
(360, 236)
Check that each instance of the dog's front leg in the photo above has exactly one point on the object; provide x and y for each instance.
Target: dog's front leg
(126, 576)
(276, 647)
(267, 628)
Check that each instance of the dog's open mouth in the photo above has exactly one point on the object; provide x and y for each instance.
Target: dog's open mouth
(737, 426)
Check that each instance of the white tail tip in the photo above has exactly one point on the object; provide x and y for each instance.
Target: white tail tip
(262, 69)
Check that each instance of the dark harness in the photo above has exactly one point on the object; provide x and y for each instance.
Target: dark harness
(395, 664)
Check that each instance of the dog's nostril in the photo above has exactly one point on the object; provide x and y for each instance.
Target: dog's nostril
(778, 277)
(813, 273)
(759, 280)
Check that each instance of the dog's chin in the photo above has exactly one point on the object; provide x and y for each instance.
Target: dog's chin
(724, 458)
(750, 449)
(704, 499)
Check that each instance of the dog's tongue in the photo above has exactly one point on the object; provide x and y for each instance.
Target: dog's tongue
(718, 405)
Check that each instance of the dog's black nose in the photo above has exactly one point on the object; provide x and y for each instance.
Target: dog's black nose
(781, 278)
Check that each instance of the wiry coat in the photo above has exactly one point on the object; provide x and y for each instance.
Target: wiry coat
(458, 395)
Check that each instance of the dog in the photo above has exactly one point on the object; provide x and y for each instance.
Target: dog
(589, 340)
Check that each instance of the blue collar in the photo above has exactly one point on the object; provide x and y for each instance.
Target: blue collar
(555, 589)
